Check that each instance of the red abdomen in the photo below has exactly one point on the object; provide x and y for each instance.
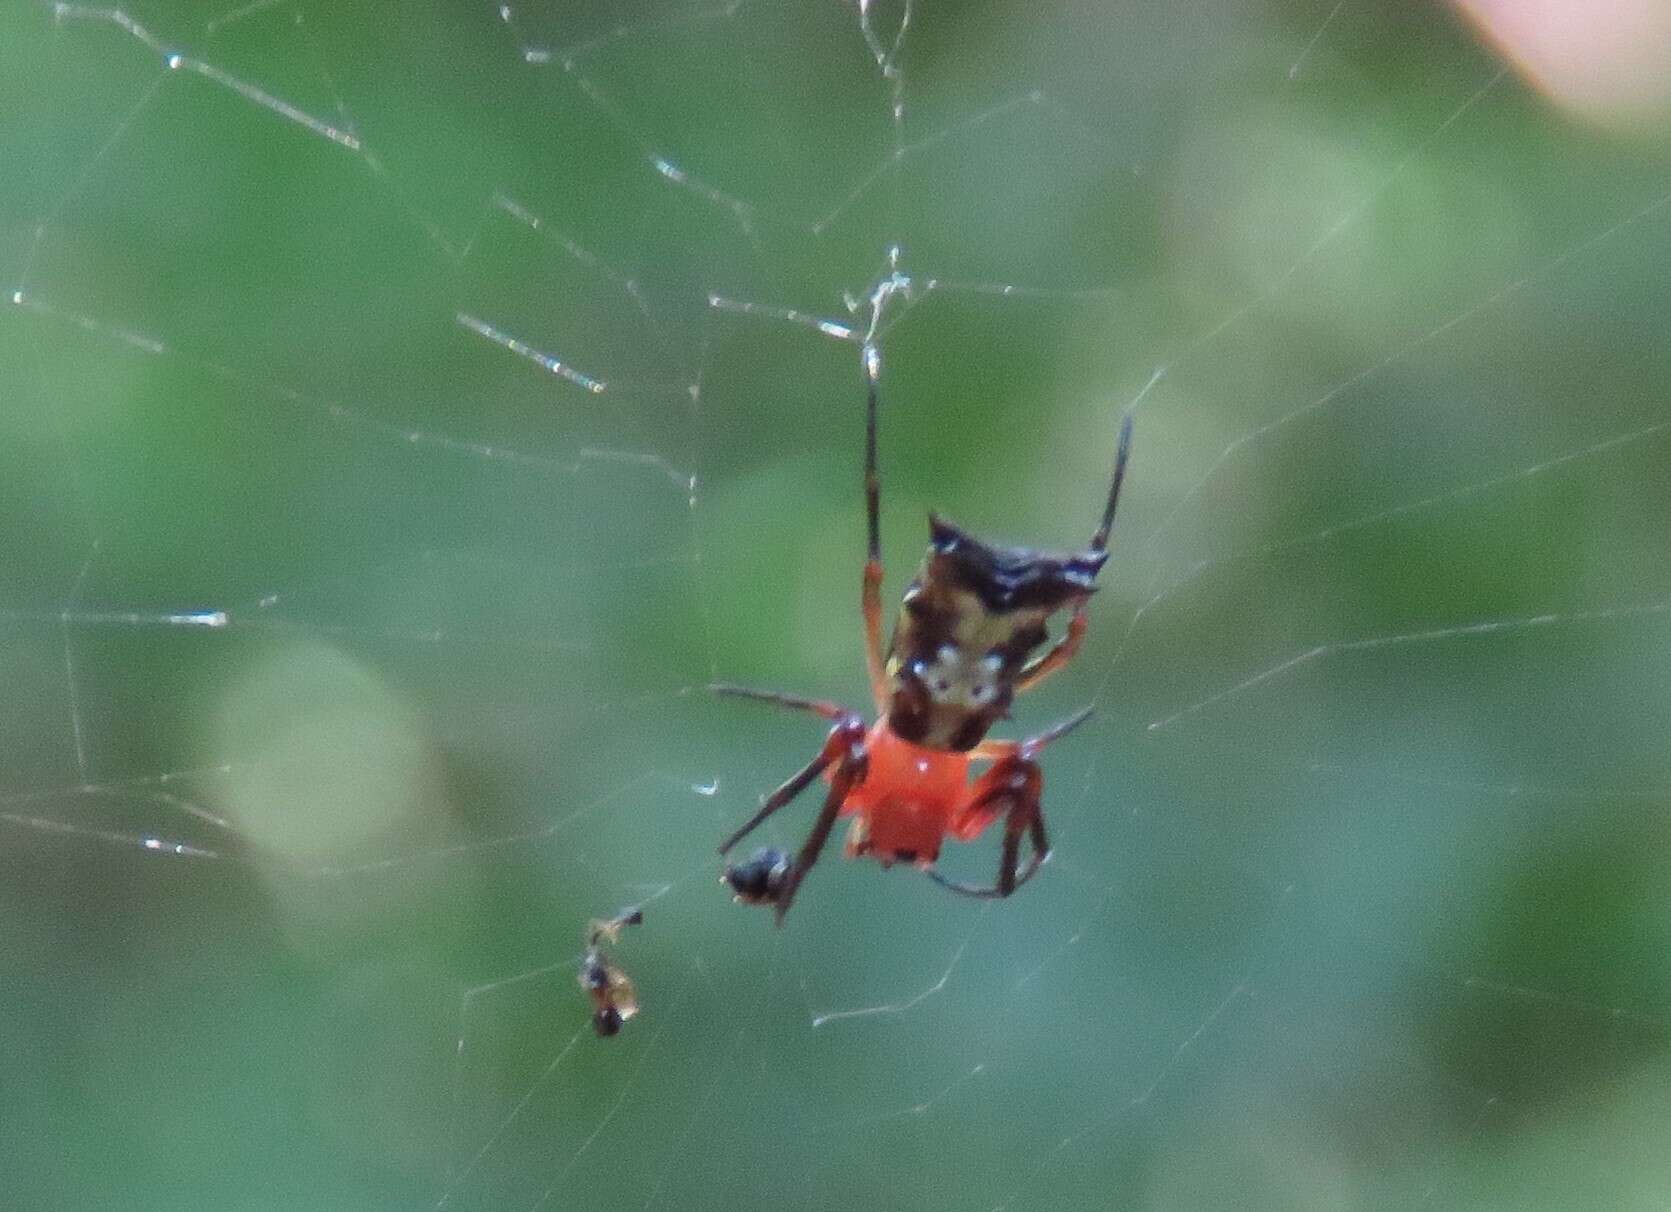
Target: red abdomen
(908, 800)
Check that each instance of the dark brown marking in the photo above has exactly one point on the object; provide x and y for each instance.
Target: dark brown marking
(1011, 578)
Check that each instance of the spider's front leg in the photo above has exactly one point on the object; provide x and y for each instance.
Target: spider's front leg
(844, 737)
(849, 774)
(769, 876)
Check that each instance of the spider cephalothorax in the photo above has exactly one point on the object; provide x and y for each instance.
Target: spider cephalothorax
(965, 642)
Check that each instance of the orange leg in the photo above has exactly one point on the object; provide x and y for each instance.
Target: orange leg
(1063, 652)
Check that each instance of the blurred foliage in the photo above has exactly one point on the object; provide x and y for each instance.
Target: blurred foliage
(1358, 899)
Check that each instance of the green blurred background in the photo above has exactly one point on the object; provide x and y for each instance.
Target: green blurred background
(351, 659)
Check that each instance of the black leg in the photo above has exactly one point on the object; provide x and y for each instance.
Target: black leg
(793, 786)
(871, 588)
(1030, 747)
(1064, 649)
(998, 751)
(841, 746)
(847, 776)
(821, 707)
(1099, 541)
(873, 480)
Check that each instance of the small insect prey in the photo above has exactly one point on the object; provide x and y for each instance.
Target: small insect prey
(614, 1000)
(760, 879)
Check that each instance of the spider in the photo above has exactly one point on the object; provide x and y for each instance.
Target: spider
(963, 646)
(614, 1000)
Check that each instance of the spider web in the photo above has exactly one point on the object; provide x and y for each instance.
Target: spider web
(409, 412)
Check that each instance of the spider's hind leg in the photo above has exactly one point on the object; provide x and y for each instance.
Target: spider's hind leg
(1014, 787)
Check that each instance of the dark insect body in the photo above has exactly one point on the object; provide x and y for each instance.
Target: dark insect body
(614, 1000)
(966, 641)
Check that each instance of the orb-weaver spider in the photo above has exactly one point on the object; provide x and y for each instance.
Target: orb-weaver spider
(962, 647)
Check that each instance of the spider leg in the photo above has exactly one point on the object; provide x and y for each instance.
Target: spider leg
(848, 774)
(871, 591)
(792, 786)
(847, 735)
(1030, 747)
(997, 751)
(821, 707)
(1099, 540)
(1016, 783)
(1064, 649)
